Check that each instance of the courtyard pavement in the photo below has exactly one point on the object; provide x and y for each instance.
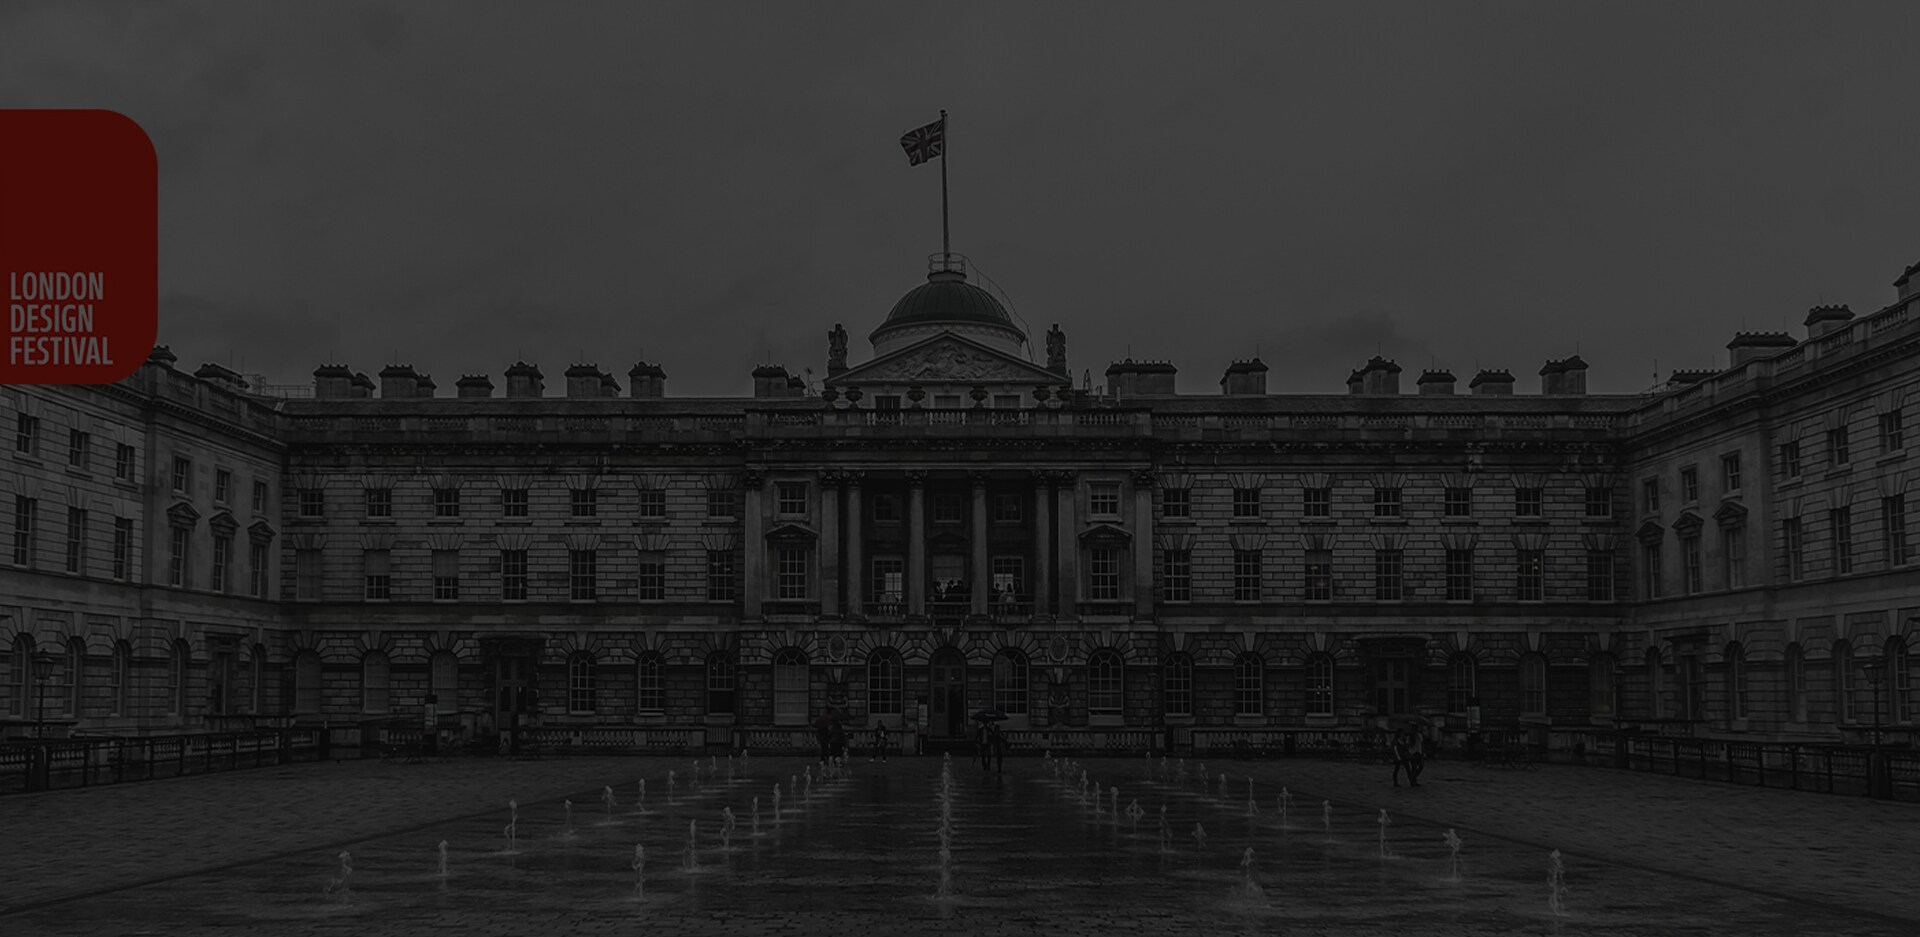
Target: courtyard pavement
(1843, 858)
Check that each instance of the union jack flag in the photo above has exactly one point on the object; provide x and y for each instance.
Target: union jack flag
(925, 143)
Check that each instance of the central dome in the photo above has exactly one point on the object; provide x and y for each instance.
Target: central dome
(947, 302)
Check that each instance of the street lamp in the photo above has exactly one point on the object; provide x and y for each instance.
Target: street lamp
(42, 675)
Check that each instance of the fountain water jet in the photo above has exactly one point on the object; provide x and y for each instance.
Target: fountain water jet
(569, 830)
(1199, 835)
(693, 838)
(606, 796)
(443, 858)
(1453, 844)
(1248, 889)
(1134, 813)
(1116, 802)
(776, 804)
(639, 871)
(756, 816)
(673, 782)
(1286, 800)
(640, 802)
(726, 829)
(1326, 818)
(342, 888)
(1556, 884)
(1253, 809)
(1384, 822)
(944, 890)
(1166, 832)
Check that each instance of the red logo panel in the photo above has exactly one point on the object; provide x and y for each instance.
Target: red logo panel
(79, 246)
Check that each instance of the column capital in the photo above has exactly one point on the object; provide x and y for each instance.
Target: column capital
(978, 479)
(853, 477)
(916, 478)
(1145, 478)
(752, 478)
(830, 478)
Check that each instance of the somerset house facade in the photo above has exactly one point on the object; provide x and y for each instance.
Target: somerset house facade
(950, 524)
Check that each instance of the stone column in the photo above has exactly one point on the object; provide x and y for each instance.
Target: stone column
(828, 561)
(982, 572)
(1068, 501)
(755, 589)
(1041, 588)
(916, 543)
(856, 562)
(1143, 482)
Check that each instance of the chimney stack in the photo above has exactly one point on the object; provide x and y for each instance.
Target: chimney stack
(222, 377)
(332, 382)
(1824, 319)
(1435, 381)
(646, 380)
(1747, 346)
(525, 380)
(473, 385)
(1128, 378)
(1378, 376)
(770, 380)
(1244, 378)
(1903, 287)
(398, 381)
(583, 380)
(362, 385)
(1492, 381)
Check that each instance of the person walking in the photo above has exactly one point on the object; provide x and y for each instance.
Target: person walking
(983, 745)
(997, 747)
(1416, 756)
(879, 744)
(823, 733)
(1403, 758)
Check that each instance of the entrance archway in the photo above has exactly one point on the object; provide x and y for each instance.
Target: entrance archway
(947, 699)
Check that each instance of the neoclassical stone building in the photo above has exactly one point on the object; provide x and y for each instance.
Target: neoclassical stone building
(953, 523)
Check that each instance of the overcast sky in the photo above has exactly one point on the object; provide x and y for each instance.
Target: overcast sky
(710, 185)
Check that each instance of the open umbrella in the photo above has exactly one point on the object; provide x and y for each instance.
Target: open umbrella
(989, 715)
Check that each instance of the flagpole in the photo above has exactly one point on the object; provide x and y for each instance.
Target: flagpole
(946, 250)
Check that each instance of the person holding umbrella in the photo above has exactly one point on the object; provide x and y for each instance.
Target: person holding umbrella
(983, 737)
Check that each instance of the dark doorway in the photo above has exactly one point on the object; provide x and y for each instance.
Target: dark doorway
(947, 704)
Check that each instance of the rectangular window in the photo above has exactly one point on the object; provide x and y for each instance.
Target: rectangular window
(1386, 502)
(653, 576)
(1320, 685)
(580, 695)
(1319, 576)
(1837, 446)
(1650, 569)
(79, 447)
(1246, 575)
(182, 473)
(791, 573)
(513, 575)
(1790, 459)
(653, 503)
(1459, 502)
(1316, 502)
(1246, 502)
(1730, 472)
(123, 462)
(1459, 575)
(23, 515)
(791, 500)
(122, 547)
(1103, 499)
(583, 569)
(1177, 695)
(446, 575)
(76, 540)
(1690, 485)
(1527, 502)
(313, 502)
(257, 570)
(723, 502)
(1795, 548)
(259, 497)
(1103, 575)
(1532, 574)
(1893, 526)
(722, 583)
(446, 502)
(378, 574)
(1733, 551)
(379, 501)
(306, 574)
(222, 485)
(653, 689)
(27, 437)
(1600, 501)
(886, 509)
(1840, 521)
(1599, 575)
(889, 580)
(1176, 576)
(1006, 508)
(222, 572)
(583, 502)
(1690, 559)
(513, 502)
(1650, 496)
(179, 543)
(1892, 438)
(1387, 579)
(1176, 502)
(946, 508)
(1009, 578)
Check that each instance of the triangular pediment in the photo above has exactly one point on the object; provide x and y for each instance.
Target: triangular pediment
(792, 533)
(948, 359)
(1650, 531)
(1105, 535)
(1687, 523)
(182, 514)
(1731, 514)
(260, 532)
(223, 524)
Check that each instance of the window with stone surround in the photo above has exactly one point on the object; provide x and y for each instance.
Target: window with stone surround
(1458, 502)
(1599, 575)
(1840, 526)
(1010, 682)
(1386, 502)
(1318, 579)
(1106, 683)
(884, 682)
(1319, 679)
(1317, 502)
(1176, 575)
(1249, 685)
(650, 675)
(1533, 685)
(1531, 575)
(580, 695)
(1246, 575)
(1459, 575)
(1388, 575)
(513, 502)
(653, 576)
(1527, 502)
(1177, 685)
(1176, 502)
(1246, 502)
(1462, 675)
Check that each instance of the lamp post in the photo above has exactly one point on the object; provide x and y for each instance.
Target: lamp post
(42, 675)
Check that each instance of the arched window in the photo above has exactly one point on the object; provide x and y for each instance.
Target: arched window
(444, 682)
(1010, 682)
(720, 683)
(1106, 683)
(375, 688)
(1320, 684)
(76, 676)
(1900, 677)
(306, 682)
(884, 687)
(1177, 685)
(1463, 678)
(790, 687)
(179, 666)
(1600, 685)
(1843, 684)
(18, 670)
(1533, 685)
(650, 674)
(1736, 680)
(1656, 685)
(580, 696)
(1796, 683)
(122, 677)
(1249, 684)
